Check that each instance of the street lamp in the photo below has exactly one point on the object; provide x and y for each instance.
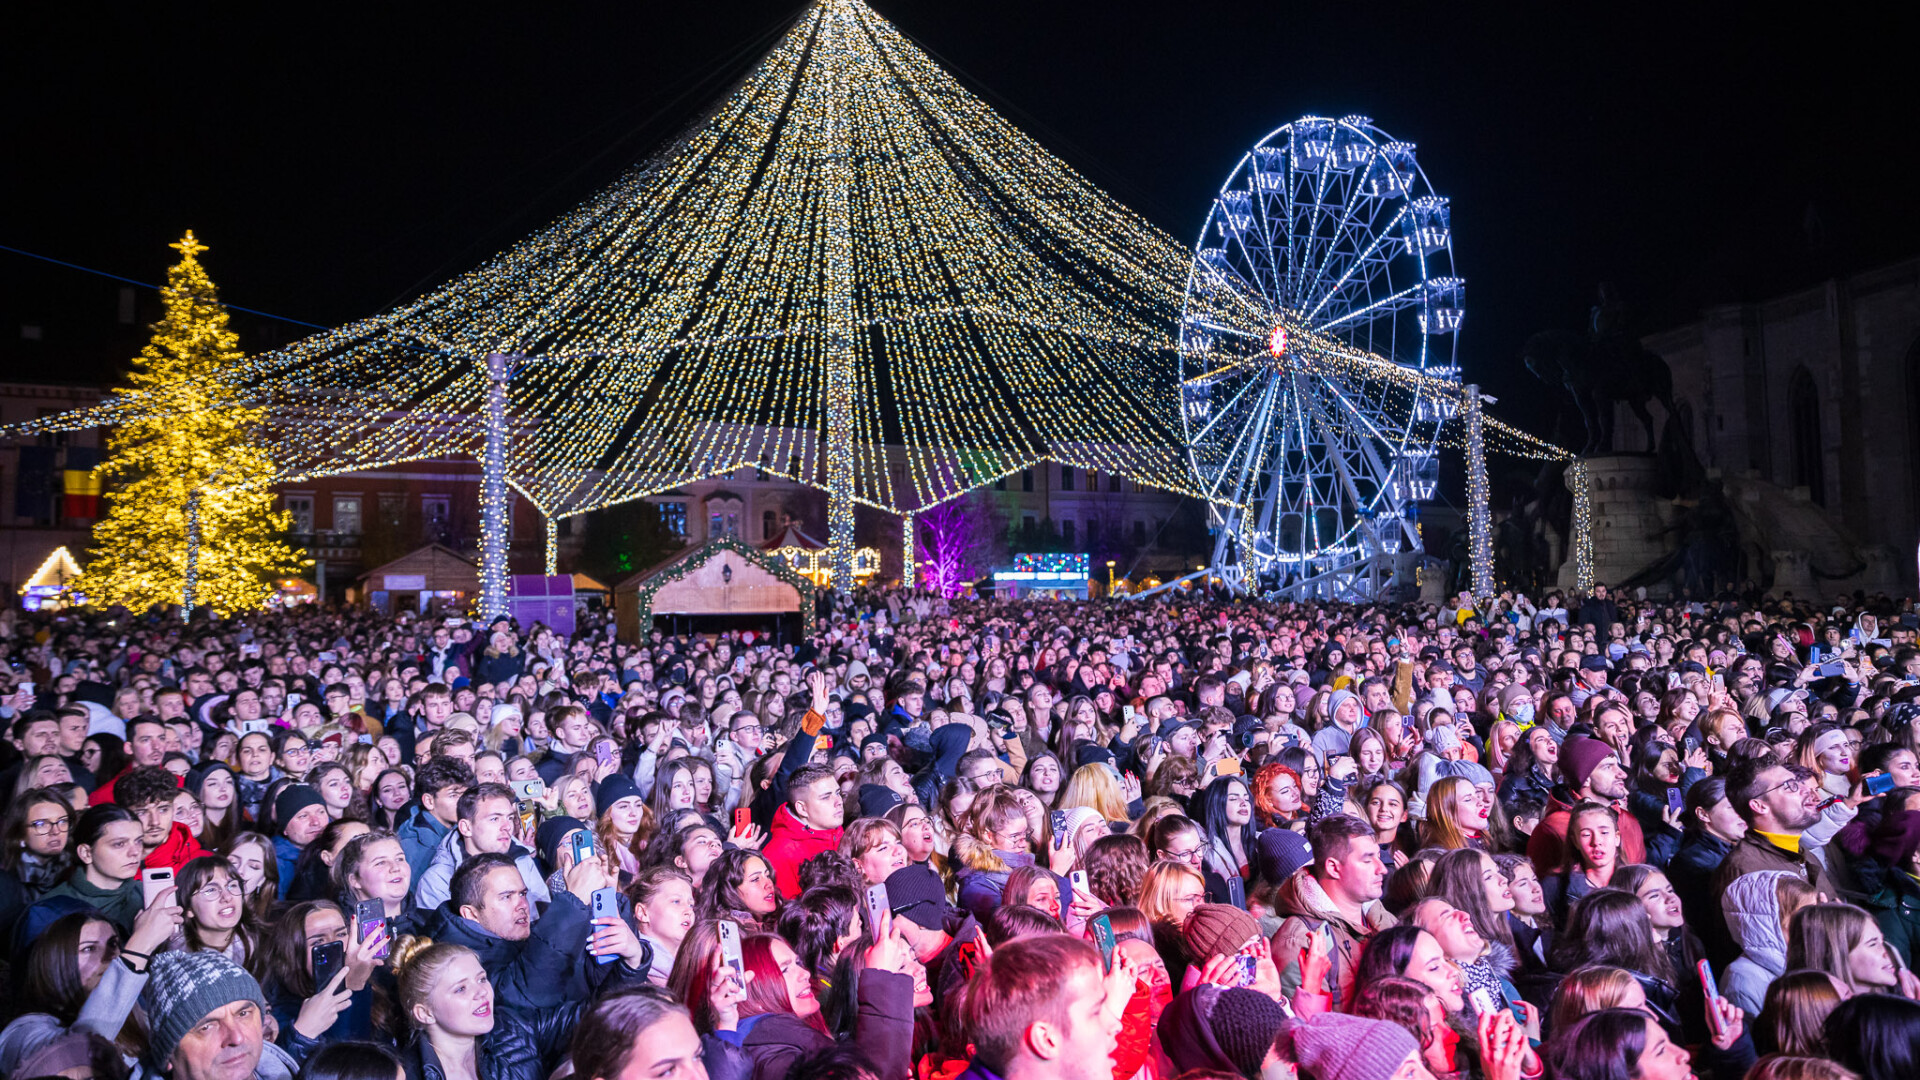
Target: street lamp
(1109, 577)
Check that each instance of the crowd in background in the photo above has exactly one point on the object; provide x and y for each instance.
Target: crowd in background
(1182, 838)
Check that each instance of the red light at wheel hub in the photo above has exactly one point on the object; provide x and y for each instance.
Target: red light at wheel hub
(1277, 343)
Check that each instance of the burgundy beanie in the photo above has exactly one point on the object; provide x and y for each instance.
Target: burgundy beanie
(1218, 929)
(1579, 756)
(1335, 1046)
(1897, 838)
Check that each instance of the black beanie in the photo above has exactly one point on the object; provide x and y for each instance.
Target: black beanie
(1244, 1023)
(293, 799)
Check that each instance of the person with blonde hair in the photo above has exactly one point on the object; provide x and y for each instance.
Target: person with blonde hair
(1845, 942)
(1799, 1067)
(1589, 989)
(1169, 893)
(1093, 786)
(444, 1009)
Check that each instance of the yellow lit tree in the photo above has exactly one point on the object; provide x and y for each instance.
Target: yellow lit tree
(204, 452)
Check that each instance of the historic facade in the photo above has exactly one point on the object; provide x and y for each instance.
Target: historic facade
(1816, 392)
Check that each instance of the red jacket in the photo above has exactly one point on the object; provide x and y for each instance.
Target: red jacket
(1547, 847)
(180, 849)
(791, 844)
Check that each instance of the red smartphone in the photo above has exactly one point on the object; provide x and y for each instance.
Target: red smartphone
(742, 819)
(1713, 994)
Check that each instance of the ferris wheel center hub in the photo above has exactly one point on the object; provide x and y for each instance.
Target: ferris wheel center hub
(1277, 342)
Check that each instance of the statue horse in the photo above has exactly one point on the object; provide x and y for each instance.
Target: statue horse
(1599, 372)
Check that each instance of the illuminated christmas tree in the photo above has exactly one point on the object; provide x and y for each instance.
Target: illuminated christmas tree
(203, 459)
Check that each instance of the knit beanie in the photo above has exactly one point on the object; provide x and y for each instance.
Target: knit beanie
(1471, 771)
(1077, 819)
(1217, 929)
(877, 799)
(615, 787)
(1244, 1023)
(1278, 853)
(1336, 1046)
(293, 799)
(916, 893)
(1579, 756)
(546, 838)
(182, 988)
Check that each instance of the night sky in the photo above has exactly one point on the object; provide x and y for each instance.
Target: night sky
(341, 159)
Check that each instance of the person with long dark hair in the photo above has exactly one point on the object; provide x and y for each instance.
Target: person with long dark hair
(740, 887)
(213, 905)
(34, 855)
(77, 970)
(1225, 816)
(1617, 1044)
(1877, 1036)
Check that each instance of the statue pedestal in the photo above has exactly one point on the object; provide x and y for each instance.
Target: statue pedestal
(1628, 518)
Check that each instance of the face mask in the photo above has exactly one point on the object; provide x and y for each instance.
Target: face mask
(1522, 712)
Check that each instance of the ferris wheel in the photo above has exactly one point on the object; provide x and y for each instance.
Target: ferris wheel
(1316, 352)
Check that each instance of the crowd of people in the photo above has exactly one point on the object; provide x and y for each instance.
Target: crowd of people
(1185, 838)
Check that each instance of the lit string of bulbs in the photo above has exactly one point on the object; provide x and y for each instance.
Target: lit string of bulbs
(848, 226)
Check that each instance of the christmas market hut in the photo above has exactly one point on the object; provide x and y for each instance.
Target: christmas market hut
(723, 584)
(428, 580)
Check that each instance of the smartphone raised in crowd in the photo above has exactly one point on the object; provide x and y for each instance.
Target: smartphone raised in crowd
(582, 846)
(1103, 939)
(328, 961)
(372, 915)
(1059, 829)
(877, 907)
(154, 881)
(730, 946)
(606, 905)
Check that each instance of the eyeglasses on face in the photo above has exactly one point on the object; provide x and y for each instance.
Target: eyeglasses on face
(44, 826)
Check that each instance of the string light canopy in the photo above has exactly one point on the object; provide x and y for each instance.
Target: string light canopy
(851, 273)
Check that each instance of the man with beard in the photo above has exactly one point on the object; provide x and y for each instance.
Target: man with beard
(1592, 773)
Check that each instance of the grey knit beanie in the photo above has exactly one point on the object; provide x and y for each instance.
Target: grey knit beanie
(1335, 1046)
(182, 988)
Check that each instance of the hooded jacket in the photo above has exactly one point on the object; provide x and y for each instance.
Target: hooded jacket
(983, 877)
(419, 835)
(1752, 908)
(1308, 910)
(430, 887)
(1691, 872)
(1896, 907)
(950, 742)
(793, 843)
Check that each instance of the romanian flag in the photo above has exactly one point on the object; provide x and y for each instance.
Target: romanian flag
(80, 488)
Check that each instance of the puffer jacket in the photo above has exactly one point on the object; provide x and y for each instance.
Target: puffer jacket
(792, 843)
(508, 1052)
(984, 874)
(1752, 908)
(548, 969)
(882, 1029)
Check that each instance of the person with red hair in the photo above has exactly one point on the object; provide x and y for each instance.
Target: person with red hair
(781, 1021)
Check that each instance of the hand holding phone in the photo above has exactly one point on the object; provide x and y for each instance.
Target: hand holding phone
(1059, 818)
(155, 881)
(1103, 940)
(878, 908)
(606, 905)
(328, 960)
(371, 915)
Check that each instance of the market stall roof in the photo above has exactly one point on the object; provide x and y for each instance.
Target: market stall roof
(433, 568)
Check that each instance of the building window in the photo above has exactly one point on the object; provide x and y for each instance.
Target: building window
(346, 515)
(674, 516)
(1803, 407)
(999, 483)
(1139, 533)
(769, 524)
(1066, 532)
(1026, 480)
(1093, 533)
(1066, 478)
(1114, 483)
(436, 519)
(723, 524)
(301, 507)
(1029, 523)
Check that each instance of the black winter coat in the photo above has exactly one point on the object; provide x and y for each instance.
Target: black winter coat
(550, 968)
(508, 1052)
